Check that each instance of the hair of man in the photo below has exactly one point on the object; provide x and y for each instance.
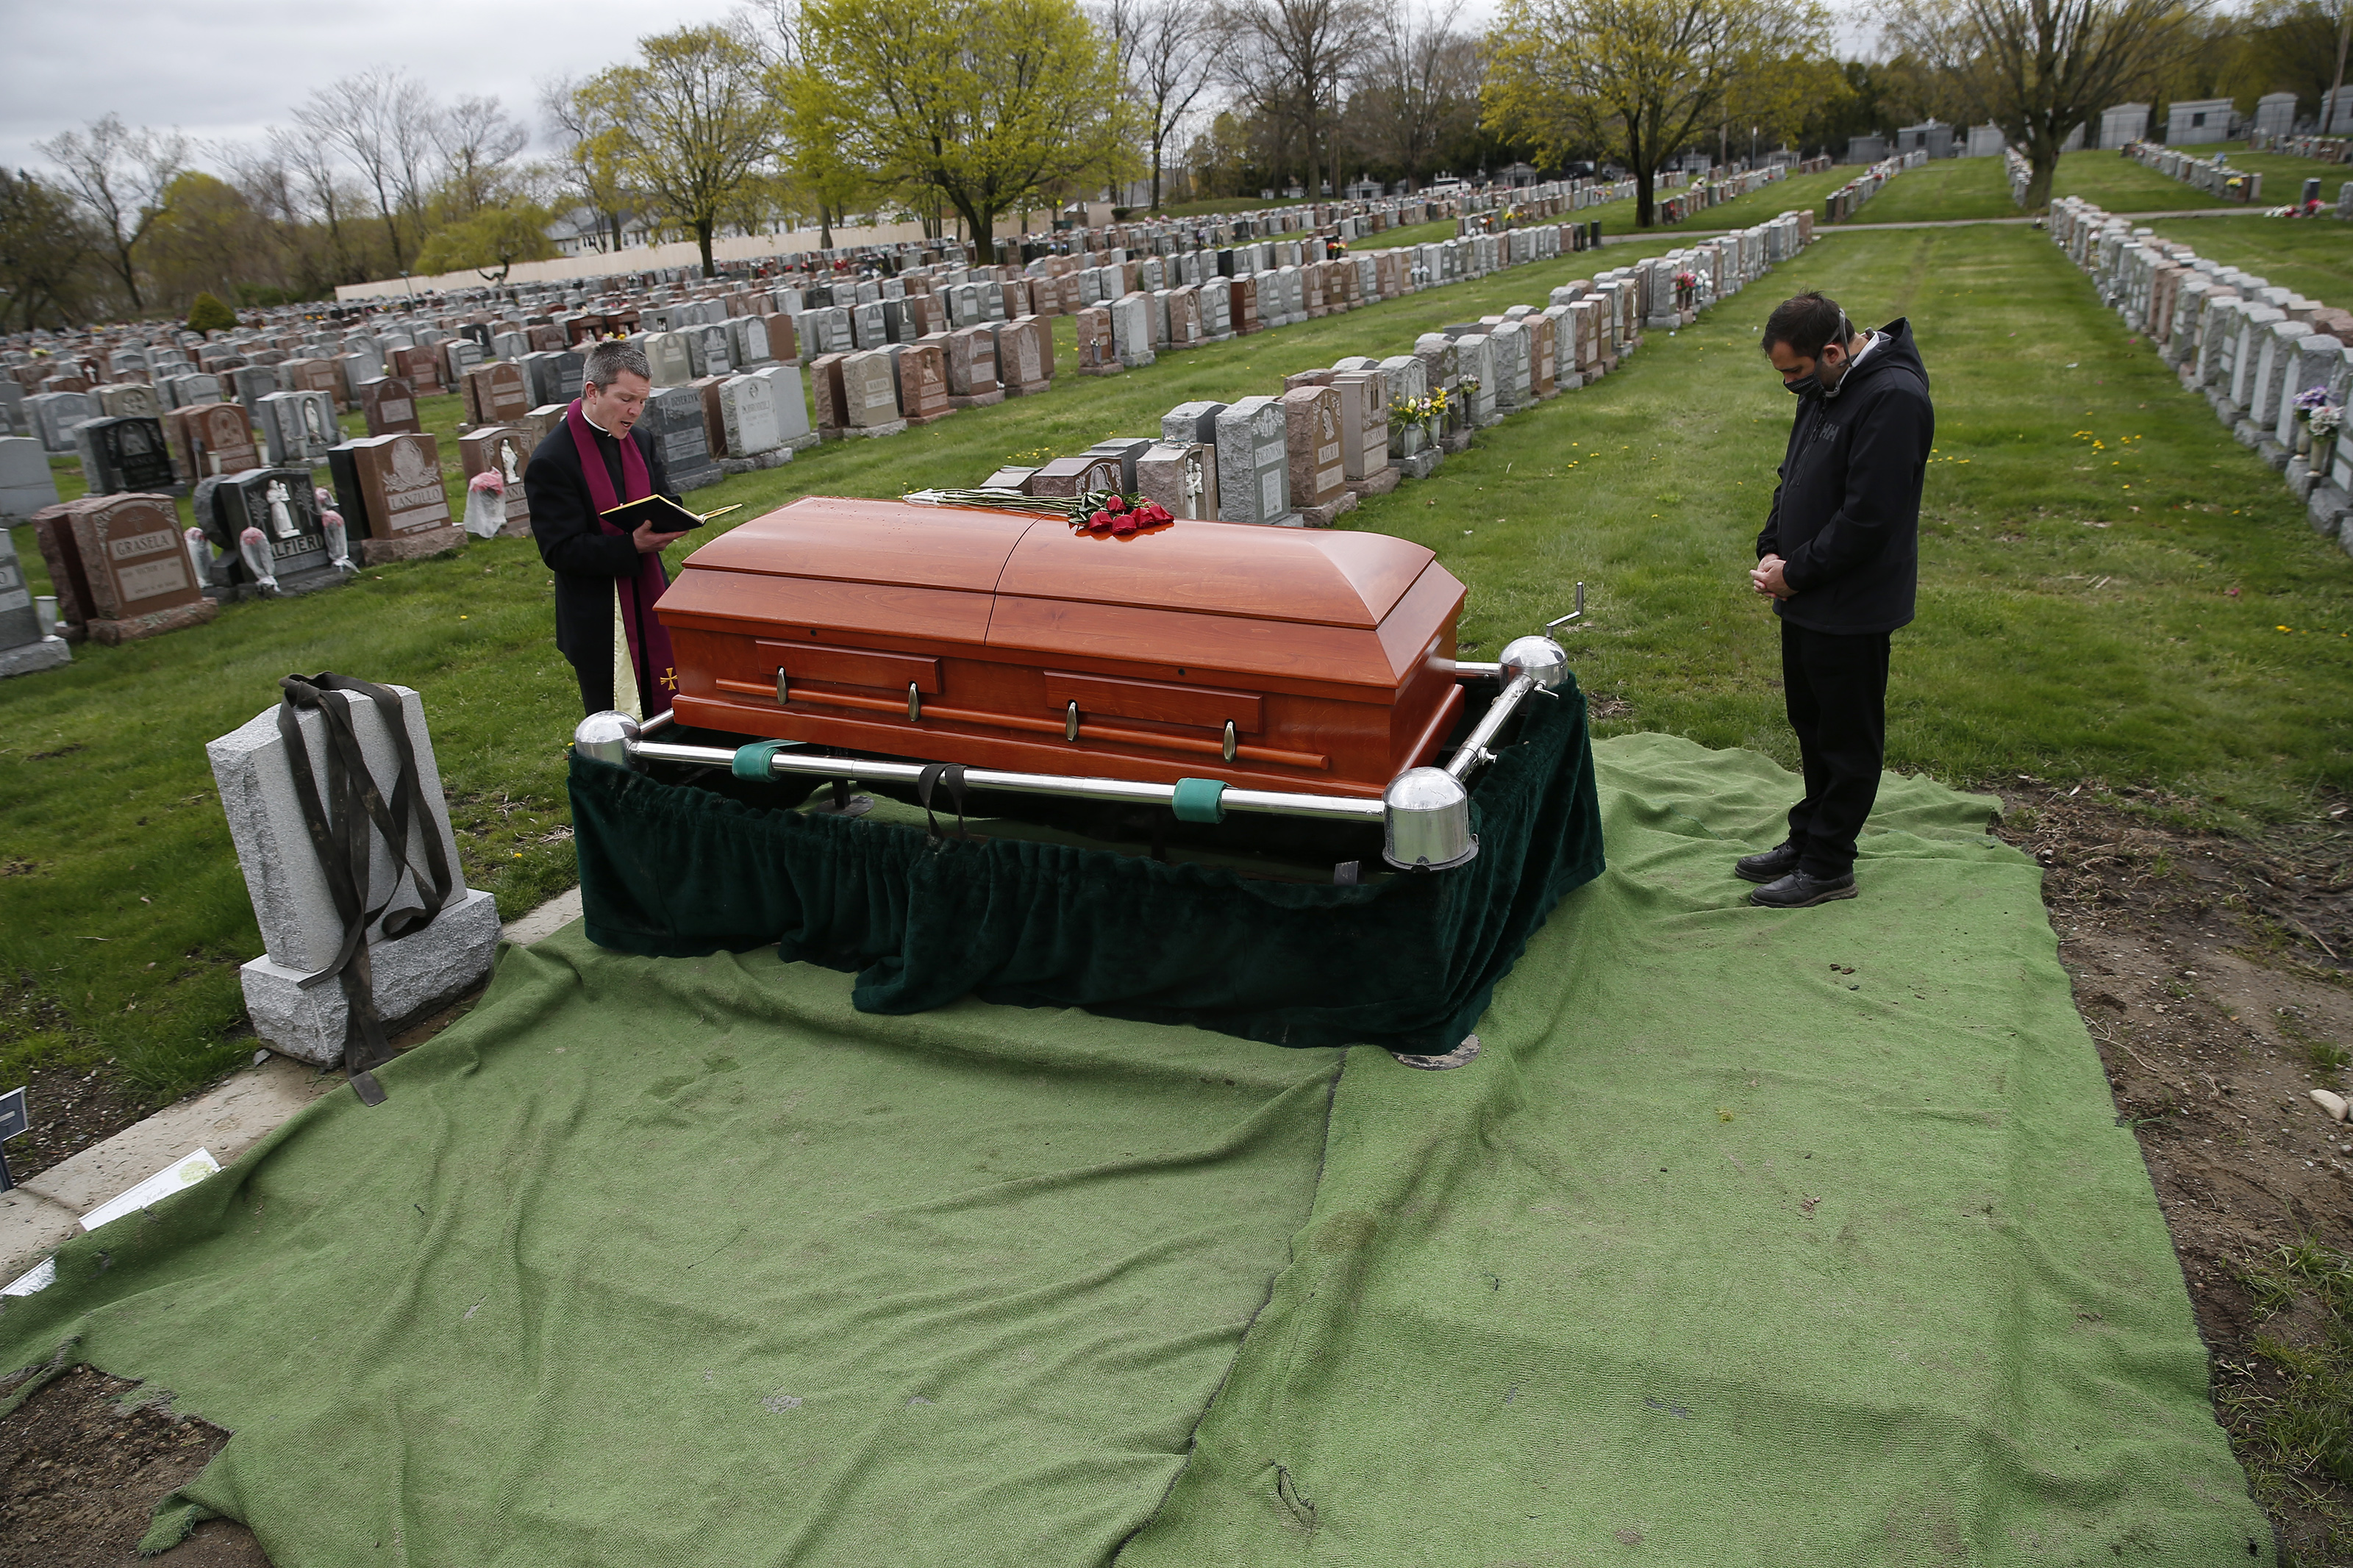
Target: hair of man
(1806, 323)
(608, 359)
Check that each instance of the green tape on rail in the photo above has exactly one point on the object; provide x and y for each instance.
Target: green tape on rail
(1198, 800)
(753, 761)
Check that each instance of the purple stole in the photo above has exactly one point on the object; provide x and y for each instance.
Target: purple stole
(649, 649)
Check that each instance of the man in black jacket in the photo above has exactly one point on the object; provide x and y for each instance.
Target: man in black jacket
(588, 559)
(1840, 557)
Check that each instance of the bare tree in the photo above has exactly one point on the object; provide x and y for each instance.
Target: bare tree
(477, 141)
(122, 177)
(1289, 60)
(1419, 87)
(309, 161)
(1169, 53)
(384, 122)
(2039, 68)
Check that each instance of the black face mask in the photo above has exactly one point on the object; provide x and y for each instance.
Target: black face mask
(1805, 385)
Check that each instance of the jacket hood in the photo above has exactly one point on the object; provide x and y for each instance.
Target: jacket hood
(1893, 348)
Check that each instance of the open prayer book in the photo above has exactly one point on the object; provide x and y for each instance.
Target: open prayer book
(666, 515)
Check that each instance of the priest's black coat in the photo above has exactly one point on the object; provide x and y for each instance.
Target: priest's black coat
(584, 557)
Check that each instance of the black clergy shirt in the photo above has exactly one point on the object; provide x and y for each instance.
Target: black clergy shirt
(584, 557)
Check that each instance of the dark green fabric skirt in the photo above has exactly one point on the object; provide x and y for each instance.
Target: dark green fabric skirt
(1405, 962)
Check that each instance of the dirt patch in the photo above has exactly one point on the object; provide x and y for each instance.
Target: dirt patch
(2211, 970)
(83, 1464)
(71, 1110)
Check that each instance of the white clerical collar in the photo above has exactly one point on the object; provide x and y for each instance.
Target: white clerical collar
(610, 436)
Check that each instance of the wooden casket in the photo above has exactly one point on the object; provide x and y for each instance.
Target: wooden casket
(1271, 658)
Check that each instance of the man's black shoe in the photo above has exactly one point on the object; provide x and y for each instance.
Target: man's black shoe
(1771, 867)
(1797, 891)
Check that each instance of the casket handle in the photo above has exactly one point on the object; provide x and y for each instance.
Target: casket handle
(915, 702)
(1070, 722)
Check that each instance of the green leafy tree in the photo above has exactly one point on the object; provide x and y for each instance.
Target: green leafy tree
(984, 104)
(2039, 68)
(1643, 80)
(490, 242)
(209, 315)
(820, 172)
(687, 125)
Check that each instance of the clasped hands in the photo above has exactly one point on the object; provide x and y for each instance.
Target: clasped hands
(1767, 578)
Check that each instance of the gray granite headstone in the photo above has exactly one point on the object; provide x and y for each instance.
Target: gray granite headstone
(1253, 464)
(299, 929)
(26, 482)
(23, 648)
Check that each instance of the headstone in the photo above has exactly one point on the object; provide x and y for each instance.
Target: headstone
(409, 976)
(870, 396)
(1097, 354)
(1319, 486)
(554, 374)
(673, 416)
(281, 506)
(1075, 476)
(27, 482)
(971, 358)
(23, 648)
(790, 402)
(124, 454)
(826, 395)
(420, 368)
(1363, 431)
(129, 573)
(1131, 330)
(297, 427)
(54, 413)
(495, 394)
(389, 407)
(1180, 476)
(707, 349)
(1253, 463)
(1191, 424)
(747, 418)
(748, 346)
(920, 379)
(504, 450)
(390, 492)
(214, 438)
(127, 400)
(1025, 356)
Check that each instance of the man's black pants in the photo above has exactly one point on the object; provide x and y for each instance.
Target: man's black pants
(1836, 688)
(596, 685)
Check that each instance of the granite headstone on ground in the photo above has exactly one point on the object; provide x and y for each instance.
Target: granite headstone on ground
(124, 454)
(390, 494)
(280, 505)
(389, 406)
(1182, 476)
(504, 450)
(23, 648)
(748, 422)
(26, 482)
(297, 427)
(791, 404)
(919, 377)
(1253, 464)
(120, 568)
(869, 397)
(410, 975)
(673, 416)
(1319, 486)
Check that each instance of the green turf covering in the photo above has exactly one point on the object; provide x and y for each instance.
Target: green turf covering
(1724, 1255)
(1717, 1256)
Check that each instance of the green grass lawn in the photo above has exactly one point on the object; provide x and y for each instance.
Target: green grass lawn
(1941, 191)
(2312, 255)
(2063, 632)
(2283, 176)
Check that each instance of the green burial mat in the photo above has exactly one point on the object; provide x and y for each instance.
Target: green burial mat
(1719, 1254)
(1799, 1238)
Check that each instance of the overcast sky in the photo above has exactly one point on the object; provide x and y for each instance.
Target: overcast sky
(164, 64)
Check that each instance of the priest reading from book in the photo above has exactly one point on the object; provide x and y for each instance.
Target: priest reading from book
(602, 510)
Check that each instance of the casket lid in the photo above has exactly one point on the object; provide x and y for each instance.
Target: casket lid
(1317, 578)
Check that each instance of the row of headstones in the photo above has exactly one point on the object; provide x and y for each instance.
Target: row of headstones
(2211, 175)
(882, 389)
(1306, 455)
(1708, 193)
(1839, 204)
(2266, 357)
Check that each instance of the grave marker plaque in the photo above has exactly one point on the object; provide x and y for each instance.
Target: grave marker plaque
(23, 648)
(1182, 476)
(283, 505)
(869, 398)
(497, 394)
(1312, 442)
(674, 419)
(971, 358)
(1254, 465)
(919, 374)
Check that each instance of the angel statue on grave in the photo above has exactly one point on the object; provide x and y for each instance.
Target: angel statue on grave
(281, 515)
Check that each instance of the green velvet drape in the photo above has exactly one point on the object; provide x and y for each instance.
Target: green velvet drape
(1407, 962)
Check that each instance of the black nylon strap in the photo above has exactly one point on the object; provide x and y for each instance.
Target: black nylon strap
(342, 841)
(950, 774)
